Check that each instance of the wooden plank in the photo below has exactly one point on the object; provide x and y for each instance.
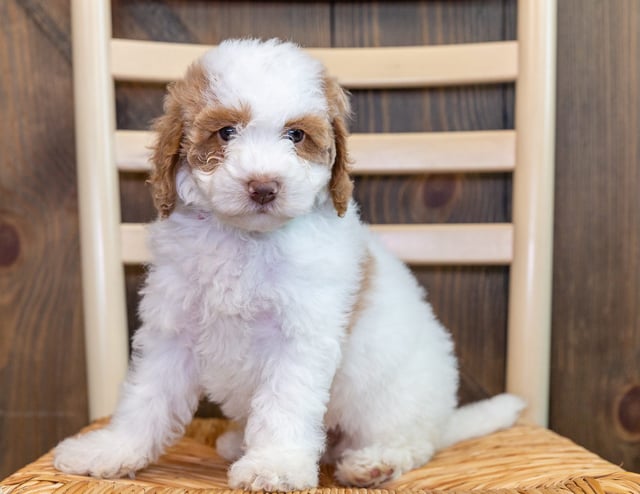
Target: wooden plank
(383, 67)
(211, 22)
(596, 282)
(459, 244)
(438, 152)
(43, 394)
(133, 237)
(397, 153)
(468, 244)
(132, 150)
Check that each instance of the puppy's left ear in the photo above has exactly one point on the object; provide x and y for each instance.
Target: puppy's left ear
(340, 186)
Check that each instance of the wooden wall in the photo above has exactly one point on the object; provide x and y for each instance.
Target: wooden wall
(596, 323)
(596, 314)
(42, 375)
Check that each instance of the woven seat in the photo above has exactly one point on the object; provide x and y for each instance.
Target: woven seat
(525, 459)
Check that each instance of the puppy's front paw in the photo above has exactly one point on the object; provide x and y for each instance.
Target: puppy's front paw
(102, 453)
(274, 470)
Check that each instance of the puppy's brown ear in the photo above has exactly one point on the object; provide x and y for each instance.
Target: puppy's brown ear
(340, 186)
(166, 154)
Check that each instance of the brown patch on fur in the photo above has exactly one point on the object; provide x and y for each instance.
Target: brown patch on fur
(207, 147)
(367, 267)
(183, 102)
(188, 133)
(340, 186)
(317, 141)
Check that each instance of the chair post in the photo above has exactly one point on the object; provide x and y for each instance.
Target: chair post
(99, 206)
(529, 334)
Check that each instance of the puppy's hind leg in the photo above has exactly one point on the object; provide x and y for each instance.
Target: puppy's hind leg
(373, 465)
(370, 454)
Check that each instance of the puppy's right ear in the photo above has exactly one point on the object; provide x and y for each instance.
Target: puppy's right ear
(166, 153)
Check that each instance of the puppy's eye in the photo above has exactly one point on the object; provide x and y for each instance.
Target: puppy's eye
(296, 135)
(227, 133)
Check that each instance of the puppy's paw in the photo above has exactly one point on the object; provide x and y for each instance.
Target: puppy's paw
(368, 467)
(102, 453)
(230, 445)
(274, 470)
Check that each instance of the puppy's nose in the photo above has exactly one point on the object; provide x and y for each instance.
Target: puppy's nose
(263, 192)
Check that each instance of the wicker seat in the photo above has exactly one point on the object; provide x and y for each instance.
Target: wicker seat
(524, 459)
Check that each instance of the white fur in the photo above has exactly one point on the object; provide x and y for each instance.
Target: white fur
(250, 305)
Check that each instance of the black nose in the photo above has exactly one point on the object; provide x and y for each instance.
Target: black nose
(263, 192)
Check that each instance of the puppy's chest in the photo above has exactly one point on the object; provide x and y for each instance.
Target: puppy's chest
(238, 281)
(232, 353)
(241, 292)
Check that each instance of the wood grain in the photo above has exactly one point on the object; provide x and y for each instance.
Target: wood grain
(42, 376)
(367, 67)
(596, 321)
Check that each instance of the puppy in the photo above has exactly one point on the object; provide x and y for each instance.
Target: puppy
(268, 295)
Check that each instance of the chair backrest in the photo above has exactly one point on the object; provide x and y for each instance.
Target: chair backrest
(525, 244)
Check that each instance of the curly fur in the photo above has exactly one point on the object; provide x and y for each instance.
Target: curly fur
(268, 295)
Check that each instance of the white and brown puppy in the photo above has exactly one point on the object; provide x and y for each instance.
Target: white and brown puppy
(268, 295)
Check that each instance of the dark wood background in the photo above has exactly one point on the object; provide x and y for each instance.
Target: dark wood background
(596, 322)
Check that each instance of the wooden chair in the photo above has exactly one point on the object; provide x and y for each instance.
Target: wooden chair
(525, 459)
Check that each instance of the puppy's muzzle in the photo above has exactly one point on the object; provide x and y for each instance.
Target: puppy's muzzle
(263, 192)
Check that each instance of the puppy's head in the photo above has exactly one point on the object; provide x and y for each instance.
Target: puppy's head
(255, 133)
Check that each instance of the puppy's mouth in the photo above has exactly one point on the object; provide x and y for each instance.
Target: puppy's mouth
(250, 214)
(271, 210)
(264, 208)
(258, 218)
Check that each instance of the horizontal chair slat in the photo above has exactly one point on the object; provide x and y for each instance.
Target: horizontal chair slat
(410, 153)
(133, 240)
(403, 153)
(445, 244)
(471, 244)
(355, 68)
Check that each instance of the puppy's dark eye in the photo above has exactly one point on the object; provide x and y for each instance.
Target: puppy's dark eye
(296, 135)
(227, 133)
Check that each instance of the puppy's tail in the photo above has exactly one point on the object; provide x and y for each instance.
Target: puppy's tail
(482, 417)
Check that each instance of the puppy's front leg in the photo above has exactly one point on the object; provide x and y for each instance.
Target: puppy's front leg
(284, 435)
(158, 399)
